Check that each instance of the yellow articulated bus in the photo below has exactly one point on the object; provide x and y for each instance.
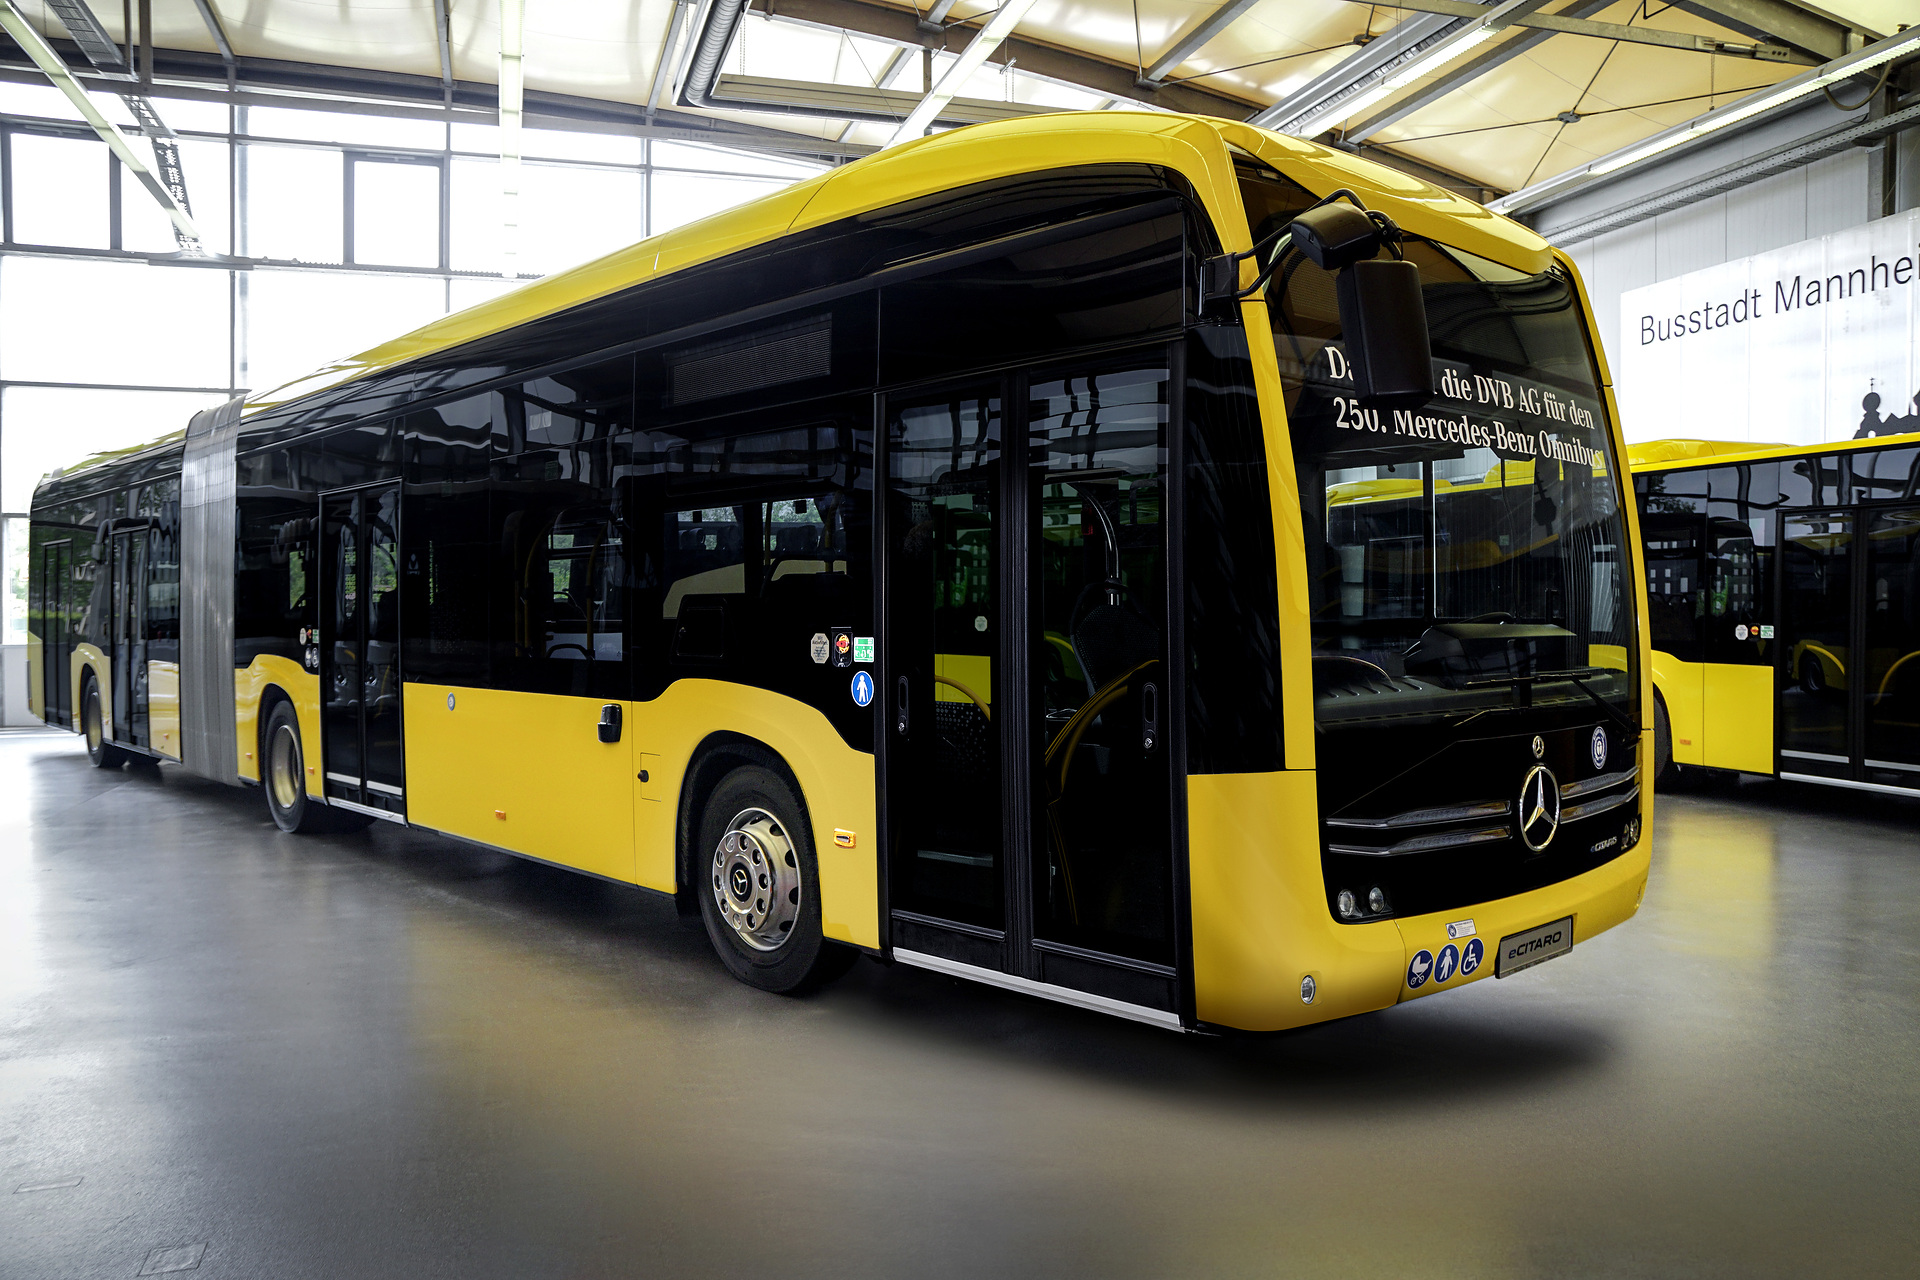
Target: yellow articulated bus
(1783, 586)
(958, 557)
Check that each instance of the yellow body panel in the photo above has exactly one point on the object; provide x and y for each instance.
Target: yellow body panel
(1738, 704)
(573, 800)
(1675, 455)
(836, 784)
(524, 771)
(163, 708)
(1682, 687)
(250, 684)
(1260, 918)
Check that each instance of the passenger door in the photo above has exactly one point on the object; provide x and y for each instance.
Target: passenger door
(360, 726)
(56, 633)
(1028, 761)
(129, 569)
(1817, 676)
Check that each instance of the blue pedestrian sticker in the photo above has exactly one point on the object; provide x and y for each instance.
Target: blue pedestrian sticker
(1470, 958)
(862, 689)
(1449, 960)
(1420, 969)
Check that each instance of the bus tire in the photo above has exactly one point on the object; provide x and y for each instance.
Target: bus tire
(1666, 774)
(100, 753)
(283, 777)
(759, 886)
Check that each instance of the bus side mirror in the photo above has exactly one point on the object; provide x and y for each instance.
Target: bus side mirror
(1383, 314)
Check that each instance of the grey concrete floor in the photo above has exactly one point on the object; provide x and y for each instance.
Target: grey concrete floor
(390, 1055)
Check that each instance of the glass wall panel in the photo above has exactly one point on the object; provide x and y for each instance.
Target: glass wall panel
(41, 100)
(552, 144)
(113, 322)
(293, 199)
(567, 216)
(680, 198)
(396, 213)
(60, 192)
(297, 321)
(144, 228)
(340, 126)
(13, 581)
(687, 155)
(55, 427)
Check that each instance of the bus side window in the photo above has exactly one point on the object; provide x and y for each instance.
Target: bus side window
(1671, 523)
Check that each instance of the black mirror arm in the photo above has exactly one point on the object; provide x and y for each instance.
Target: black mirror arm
(1220, 274)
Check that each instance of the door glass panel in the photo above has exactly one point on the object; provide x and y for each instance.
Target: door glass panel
(944, 762)
(1816, 597)
(343, 679)
(1102, 859)
(380, 693)
(1892, 648)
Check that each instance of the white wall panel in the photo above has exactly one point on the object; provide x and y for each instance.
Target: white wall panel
(1690, 238)
(1837, 191)
(1767, 214)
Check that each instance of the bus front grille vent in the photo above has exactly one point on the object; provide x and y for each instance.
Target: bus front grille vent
(790, 353)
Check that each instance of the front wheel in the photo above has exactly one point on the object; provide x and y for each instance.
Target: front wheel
(283, 777)
(759, 886)
(100, 753)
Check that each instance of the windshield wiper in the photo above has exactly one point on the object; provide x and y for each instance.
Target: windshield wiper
(1618, 716)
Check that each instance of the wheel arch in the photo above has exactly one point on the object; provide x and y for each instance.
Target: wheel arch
(272, 694)
(717, 755)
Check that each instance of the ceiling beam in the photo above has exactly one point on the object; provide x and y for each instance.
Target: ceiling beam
(443, 38)
(663, 71)
(1766, 51)
(1194, 40)
(219, 34)
(1821, 35)
(1466, 73)
(1050, 62)
(990, 36)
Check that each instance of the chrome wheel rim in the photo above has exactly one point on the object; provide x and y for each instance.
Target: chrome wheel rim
(283, 767)
(756, 880)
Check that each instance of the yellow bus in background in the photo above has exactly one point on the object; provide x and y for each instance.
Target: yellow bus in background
(1783, 594)
(956, 558)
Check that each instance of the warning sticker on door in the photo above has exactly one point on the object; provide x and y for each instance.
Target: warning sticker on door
(819, 650)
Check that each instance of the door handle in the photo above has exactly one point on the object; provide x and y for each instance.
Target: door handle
(610, 722)
(1149, 716)
(900, 705)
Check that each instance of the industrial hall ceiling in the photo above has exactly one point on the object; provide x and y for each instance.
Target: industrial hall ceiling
(1489, 99)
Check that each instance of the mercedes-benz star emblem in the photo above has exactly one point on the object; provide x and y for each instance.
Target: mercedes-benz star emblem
(1539, 808)
(1539, 746)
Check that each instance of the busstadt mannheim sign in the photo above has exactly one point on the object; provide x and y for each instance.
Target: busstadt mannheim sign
(1812, 343)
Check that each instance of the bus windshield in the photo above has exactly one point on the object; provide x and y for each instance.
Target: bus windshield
(1466, 553)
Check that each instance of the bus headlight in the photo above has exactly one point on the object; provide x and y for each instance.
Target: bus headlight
(1348, 908)
(1377, 900)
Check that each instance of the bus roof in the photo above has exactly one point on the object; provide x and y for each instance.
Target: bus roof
(946, 160)
(1671, 455)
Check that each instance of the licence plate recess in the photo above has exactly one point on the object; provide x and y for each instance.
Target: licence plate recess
(1524, 950)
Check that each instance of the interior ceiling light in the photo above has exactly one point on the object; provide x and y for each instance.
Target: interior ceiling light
(998, 28)
(1870, 58)
(1442, 52)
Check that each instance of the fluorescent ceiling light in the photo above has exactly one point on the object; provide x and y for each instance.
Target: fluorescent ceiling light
(1434, 57)
(927, 110)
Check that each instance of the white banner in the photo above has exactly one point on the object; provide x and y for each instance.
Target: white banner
(1810, 344)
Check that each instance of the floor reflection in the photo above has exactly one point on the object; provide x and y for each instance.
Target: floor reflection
(388, 1054)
